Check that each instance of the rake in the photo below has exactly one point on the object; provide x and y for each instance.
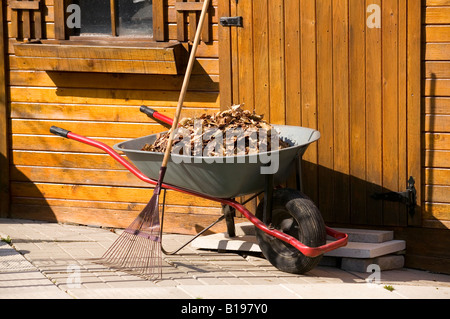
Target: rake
(138, 248)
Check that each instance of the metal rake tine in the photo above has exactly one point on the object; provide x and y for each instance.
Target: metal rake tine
(118, 255)
(109, 254)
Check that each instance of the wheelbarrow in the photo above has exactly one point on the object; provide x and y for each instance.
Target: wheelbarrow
(289, 227)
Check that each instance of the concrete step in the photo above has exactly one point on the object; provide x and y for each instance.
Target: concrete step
(367, 235)
(371, 244)
(354, 235)
(386, 262)
(249, 243)
(368, 250)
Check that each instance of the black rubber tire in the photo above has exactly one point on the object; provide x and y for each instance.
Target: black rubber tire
(295, 214)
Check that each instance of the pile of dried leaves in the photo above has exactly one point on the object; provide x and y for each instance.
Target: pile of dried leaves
(208, 134)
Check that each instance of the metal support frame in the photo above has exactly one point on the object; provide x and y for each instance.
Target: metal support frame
(268, 194)
(228, 214)
(192, 239)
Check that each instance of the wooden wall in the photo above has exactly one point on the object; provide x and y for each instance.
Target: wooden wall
(52, 178)
(436, 113)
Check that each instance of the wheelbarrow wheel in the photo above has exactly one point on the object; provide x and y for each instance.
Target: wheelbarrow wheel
(296, 215)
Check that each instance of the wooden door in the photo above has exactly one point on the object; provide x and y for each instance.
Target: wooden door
(349, 68)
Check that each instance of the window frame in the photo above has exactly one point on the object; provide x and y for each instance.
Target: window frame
(63, 33)
(114, 27)
(66, 52)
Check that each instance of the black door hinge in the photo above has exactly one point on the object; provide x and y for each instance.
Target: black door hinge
(232, 22)
(408, 197)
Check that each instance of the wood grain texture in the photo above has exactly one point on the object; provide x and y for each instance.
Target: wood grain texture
(317, 64)
(4, 116)
(63, 180)
(435, 114)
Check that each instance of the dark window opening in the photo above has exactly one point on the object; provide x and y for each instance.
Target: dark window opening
(127, 18)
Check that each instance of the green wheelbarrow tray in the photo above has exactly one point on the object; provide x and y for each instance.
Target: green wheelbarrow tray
(223, 177)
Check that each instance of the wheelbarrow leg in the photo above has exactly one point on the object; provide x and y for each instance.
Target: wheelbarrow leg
(229, 213)
(268, 194)
(298, 173)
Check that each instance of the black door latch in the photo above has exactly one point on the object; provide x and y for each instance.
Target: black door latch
(408, 197)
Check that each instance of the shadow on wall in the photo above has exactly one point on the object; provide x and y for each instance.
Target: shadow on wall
(26, 199)
(126, 88)
(347, 200)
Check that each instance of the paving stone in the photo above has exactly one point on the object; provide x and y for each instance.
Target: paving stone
(342, 291)
(12, 261)
(246, 228)
(387, 262)
(130, 293)
(368, 250)
(422, 292)
(239, 292)
(199, 273)
(221, 241)
(19, 279)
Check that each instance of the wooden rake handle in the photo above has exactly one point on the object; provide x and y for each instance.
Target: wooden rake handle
(187, 77)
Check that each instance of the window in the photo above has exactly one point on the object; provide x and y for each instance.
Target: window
(110, 36)
(124, 18)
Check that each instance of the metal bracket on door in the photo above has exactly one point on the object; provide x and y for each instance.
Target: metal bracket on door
(409, 197)
(232, 22)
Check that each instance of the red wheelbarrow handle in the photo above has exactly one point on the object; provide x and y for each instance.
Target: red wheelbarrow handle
(341, 241)
(166, 121)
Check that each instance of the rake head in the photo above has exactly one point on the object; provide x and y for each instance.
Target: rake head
(138, 248)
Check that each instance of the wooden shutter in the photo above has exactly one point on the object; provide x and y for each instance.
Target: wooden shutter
(159, 33)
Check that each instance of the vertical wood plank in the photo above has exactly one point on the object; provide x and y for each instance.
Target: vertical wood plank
(181, 23)
(225, 82)
(60, 23)
(309, 92)
(341, 110)
(113, 6)
(325, 108)
(357, 101)
(245, 58)
(4, 114)
(159, 33)
(276, 62)
(402, 103)
(234, 55)
(390, 108)
(261, 57)
(293, 66)
(246, 73)
(192, 23)
(373, 122)
(413, 102)
(26, 23)
(37, 16)
(15, 24)
(206, 34)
